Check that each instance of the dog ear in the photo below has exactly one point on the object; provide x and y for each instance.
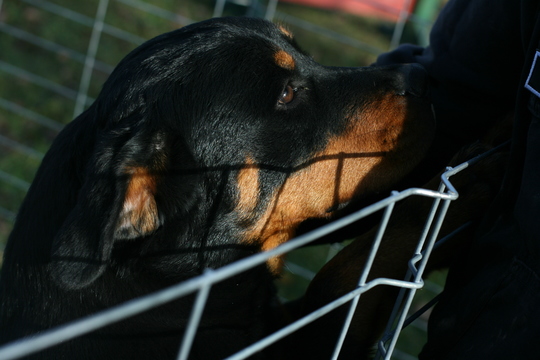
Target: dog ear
(113, 204)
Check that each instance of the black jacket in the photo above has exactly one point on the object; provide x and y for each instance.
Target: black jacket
(480, 56)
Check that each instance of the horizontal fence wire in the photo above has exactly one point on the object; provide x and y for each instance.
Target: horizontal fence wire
(157, 11)
(51, 46)
(325, 32)
(80, 99)
(87, 21)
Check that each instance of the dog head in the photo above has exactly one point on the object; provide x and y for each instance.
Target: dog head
(223, 133)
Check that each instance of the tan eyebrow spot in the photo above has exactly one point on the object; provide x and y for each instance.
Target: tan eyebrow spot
(284, 60)
(285, 31)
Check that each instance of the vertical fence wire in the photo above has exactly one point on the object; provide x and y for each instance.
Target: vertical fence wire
(97, 29)
(85, 20)
(400, 24)
(363, 277)
(195, 318)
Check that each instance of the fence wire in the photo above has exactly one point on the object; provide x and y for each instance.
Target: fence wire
(203, 283)
(20, 154)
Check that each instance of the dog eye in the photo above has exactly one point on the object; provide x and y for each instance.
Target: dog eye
(287, 96)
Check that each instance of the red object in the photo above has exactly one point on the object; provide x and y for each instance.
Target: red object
(386, 9)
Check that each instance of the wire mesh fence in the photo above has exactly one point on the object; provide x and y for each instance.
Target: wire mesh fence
(203, 283)
(56, 54)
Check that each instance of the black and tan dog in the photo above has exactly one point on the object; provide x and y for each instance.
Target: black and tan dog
(206, 144)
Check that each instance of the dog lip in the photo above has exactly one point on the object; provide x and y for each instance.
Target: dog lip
(337, 207)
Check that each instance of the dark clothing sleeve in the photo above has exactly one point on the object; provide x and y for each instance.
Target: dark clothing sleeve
(480, 54)
(475, 58)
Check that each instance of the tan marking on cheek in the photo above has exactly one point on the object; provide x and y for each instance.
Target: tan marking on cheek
(140, 210)
(248, 197)
(333, 177)
(284, 60)
(248, 189)
(373, 134)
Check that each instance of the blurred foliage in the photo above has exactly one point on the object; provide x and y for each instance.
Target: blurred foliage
(64, 66)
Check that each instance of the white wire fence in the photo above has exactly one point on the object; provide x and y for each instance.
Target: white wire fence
(202, 284)
(54, 56)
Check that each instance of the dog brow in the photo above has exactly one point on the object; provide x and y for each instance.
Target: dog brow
(284, 60)
(285, 31)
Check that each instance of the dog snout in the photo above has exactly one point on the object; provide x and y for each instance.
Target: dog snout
(412, 80)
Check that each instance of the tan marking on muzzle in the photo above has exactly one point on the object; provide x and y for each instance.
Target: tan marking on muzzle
(332, 177)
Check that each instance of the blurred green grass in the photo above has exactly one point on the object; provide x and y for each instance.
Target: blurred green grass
(60, 68)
